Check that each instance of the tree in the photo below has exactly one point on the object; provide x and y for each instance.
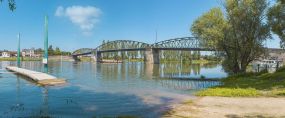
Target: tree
(50, 50)
(39, 50)
(237, 35)
(57, 51)
(189, 55)
(104, 46)
(142, 52)
(123, 53)
(195, 55)
(6, 50)
(276, 18)
(11, 4)
(199, 55)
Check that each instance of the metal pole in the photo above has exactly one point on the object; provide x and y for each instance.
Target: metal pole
(18, 55)
(46, 44)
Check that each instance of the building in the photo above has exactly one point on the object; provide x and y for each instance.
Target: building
(28, 52)
(39, 54)
(9, 54)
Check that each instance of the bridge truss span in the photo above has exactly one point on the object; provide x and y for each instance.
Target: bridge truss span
(185, 43)
(121, 45)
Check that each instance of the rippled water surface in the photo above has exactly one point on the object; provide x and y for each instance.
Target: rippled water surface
(94, 89)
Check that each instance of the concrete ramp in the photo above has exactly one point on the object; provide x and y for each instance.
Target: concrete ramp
(40, 77)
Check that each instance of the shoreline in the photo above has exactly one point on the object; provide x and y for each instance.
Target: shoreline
(225, 107)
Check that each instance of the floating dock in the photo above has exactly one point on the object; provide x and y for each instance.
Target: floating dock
(39, 77)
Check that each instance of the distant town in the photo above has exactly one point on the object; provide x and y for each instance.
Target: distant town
(33, 52)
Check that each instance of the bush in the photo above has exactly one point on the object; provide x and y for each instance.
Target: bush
(280, 92)
(203, 77)
(280, 69)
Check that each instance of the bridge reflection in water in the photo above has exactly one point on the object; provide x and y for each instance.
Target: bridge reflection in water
(167, 75)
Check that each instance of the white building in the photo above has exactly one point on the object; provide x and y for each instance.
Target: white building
(9, 54)
(28, 52)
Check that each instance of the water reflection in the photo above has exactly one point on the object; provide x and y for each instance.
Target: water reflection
(94, 89)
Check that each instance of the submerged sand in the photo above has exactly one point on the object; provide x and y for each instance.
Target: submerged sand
(230, 107)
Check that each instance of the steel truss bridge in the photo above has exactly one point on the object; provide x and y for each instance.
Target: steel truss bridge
(185, 43)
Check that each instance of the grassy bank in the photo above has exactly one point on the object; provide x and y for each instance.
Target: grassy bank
(250, 84)
(15, 59)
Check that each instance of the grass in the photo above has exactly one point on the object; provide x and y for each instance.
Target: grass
(250, 84)
(189, 101)
(15, 59)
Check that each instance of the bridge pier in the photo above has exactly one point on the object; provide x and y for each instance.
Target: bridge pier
(95, 56)
(75, 58)
(151, 55)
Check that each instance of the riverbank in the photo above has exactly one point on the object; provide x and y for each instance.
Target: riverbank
(229, 107)
(245, 94)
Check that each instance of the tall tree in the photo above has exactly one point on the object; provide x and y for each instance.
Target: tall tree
(57, 51)
(142, 52)
(11, 4)
(238, 34)
(195, 55)
(123, 53)
(108, 47)
(50, 50)
(276, 18)
(104, 47)
(199, 55)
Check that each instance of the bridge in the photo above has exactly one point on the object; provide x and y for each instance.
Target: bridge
(151, 51)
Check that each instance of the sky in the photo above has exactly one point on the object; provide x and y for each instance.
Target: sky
(75, 24)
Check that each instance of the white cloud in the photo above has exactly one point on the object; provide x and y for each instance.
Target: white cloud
(59, 11)
(85, 17)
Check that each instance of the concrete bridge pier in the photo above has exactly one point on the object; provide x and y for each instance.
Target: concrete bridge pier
(75, 58)
(95, 56)
(151, 55)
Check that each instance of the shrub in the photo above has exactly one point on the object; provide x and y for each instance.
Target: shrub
(280, 92)
(280, 69)
(203, 77)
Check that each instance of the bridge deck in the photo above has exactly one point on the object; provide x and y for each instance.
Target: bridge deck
(40, 77)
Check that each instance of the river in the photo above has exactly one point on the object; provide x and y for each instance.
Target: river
(94, 89)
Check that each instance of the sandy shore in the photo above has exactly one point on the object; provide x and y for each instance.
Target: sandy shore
(230, 107)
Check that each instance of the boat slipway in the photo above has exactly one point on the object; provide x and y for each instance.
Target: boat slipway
(40, 77)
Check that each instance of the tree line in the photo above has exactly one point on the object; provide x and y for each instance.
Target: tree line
(52, 52)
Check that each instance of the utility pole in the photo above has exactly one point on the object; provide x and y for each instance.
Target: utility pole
(45, 59)
(18, 54)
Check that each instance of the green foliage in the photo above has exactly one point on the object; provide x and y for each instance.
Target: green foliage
(280, 69)
(226, 32)
(11, 4)
(280, 92)
(248, 84)
(226, 92)
(189, 101)
(50, 50)
(203, 77)
(276, 18)
(39, 50)
(57, 51)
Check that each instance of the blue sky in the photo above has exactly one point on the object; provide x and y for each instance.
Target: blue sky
(75, 24)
